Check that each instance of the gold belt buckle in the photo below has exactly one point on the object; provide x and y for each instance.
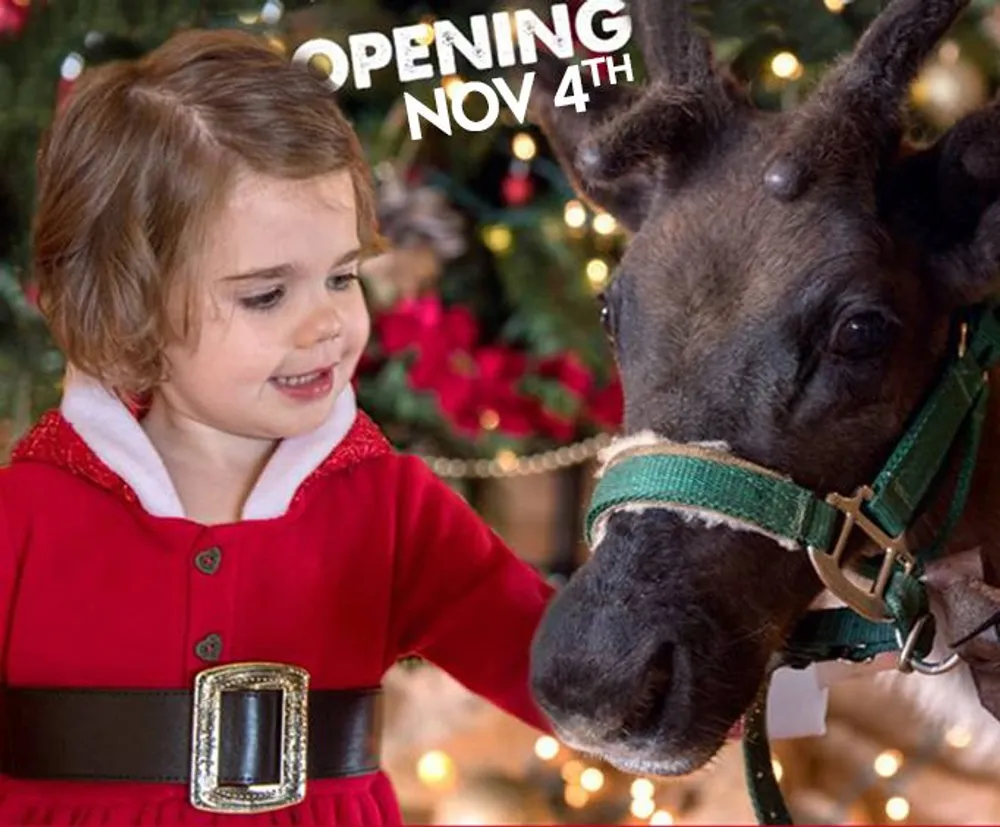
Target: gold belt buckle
(206, 790)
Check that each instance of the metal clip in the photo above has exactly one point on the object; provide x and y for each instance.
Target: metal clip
(869, 603)
(908, 663)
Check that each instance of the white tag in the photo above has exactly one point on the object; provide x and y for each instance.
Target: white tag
(796, 704)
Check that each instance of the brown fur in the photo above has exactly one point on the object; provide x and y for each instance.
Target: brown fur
(786, 290)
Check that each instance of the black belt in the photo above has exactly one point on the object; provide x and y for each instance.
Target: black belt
(146, 735)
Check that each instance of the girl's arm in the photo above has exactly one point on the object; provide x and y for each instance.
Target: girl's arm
(461, 598)
(464, 601)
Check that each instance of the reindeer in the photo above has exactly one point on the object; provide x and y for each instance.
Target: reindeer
(786, 295)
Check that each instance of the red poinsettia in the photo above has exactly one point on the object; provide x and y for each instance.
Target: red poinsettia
(13, 13)
(477, 390)
(425, 325)
(606, 406)
(31, 293)
(569, 371)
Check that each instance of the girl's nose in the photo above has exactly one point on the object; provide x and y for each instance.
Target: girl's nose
(323, 323)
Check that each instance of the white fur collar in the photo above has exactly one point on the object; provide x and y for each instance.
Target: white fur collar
(116, 437)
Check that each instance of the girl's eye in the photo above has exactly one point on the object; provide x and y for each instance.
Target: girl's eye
(263, 301)
(341, 281)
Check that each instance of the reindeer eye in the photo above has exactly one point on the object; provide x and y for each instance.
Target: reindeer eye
(862, 336)
(607, 317)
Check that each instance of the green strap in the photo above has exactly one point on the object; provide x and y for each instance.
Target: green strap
(973, 437)
(904, 481)
(841, 634)
(765, 793)
(772, 504)
(837, 634)
(985, 341)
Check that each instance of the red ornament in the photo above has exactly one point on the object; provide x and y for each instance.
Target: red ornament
(13, 13)
(63, 90)
(517, 190)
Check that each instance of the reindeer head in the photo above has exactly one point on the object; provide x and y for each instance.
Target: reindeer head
(785, 291)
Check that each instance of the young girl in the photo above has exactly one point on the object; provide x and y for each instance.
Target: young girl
(207, 545)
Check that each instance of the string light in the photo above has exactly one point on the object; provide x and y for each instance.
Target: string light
(642, 807)
(642, 788)
(949, 52)
(426, 36)
(320, 64)
(887, 763)
(72, 66)
(523, 146)
(490, 421)
(662, 817)
(836, 6)
(272, 11)
(546, 747)
(498, 237)
(778, 770)
(436, 769)
(540, 463)
(897, 808)
(576, 797)
(248, 18)
(604, 223)
(592, 779)
(451, 85)
(958, 737)
(571, 771)
(574, 214)
(507, 460)
(597, 272)
(786, 66)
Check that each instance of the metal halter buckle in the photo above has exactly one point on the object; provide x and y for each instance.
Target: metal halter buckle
(206, 790)
(869, 603)
(909, 663)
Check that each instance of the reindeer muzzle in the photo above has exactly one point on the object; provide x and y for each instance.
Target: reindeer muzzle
(708, 484)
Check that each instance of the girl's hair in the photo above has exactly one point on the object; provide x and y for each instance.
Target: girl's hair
(137, 164)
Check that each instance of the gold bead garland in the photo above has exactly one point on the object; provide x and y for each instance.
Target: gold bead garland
(508, 464)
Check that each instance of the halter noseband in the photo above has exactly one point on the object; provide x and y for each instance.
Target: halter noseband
(892, 614)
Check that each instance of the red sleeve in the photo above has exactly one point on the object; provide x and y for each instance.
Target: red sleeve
(461, 598)
(10, 555)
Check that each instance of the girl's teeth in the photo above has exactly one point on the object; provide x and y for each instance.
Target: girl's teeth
(304, 379)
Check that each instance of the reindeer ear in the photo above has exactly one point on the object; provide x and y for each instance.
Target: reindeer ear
(627, 196)
(947, 199)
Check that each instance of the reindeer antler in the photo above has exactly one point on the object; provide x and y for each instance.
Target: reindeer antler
(854, 115)
(685, 99)
(674, 53)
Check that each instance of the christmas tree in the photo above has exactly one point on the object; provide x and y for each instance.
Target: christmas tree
(486, 342)
(487, 354)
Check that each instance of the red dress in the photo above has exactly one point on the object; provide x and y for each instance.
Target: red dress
(367, 558)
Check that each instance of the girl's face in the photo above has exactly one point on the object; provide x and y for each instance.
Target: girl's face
(282, 318)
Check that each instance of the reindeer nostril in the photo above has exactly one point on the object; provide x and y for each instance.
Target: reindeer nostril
(649, 703)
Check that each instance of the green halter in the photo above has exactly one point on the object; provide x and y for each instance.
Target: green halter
(893, 613)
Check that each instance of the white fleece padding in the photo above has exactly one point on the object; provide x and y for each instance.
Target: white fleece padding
(796, 703)
(689, 514)
(116, 437)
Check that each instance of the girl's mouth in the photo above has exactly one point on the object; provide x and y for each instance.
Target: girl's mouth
(305, 386)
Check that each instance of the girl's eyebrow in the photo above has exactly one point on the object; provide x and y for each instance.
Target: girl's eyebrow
(279, 271)
(283, 271)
